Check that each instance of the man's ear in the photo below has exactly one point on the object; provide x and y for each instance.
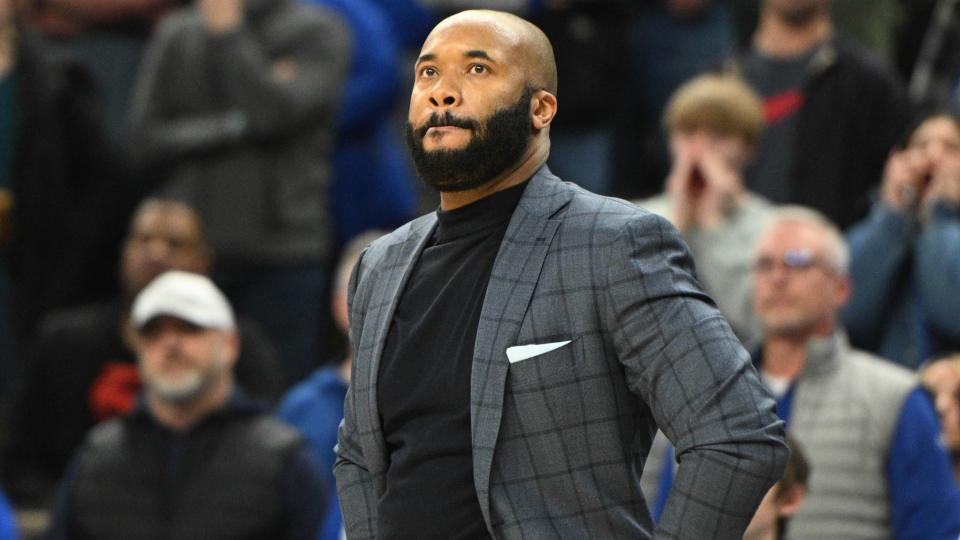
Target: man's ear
(543, 107)
(232, 343)
(844, 290)
(789, 500)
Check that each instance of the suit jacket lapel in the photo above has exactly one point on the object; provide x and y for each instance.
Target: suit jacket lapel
(400, 260)
(512, 282)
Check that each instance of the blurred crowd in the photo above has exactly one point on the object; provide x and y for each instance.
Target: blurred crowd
(259, 142)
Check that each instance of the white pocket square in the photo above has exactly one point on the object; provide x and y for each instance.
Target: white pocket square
(523, 352)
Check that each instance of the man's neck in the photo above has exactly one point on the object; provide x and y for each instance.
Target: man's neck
(532, 160)
(777, 38)
(183, 416)
(785, 355)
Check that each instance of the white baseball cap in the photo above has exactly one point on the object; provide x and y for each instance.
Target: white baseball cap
(186, 296)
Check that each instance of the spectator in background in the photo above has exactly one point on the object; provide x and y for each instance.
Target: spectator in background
(315, 406)
(61, 201)
(235, 110)
(833, 111)
(82, 367)
(783, 500)
(715, 123)
(670, 42)
(941, 377)
(869, 431)
(196, 457)
(588, 38)
(373, 185)
(905, 256)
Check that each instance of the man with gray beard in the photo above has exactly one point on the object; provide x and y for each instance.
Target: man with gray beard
(196, 454)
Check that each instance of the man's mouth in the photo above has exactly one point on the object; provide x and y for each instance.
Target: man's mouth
(437, 131)
(439, 124)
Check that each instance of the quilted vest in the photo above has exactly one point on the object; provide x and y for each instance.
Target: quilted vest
(845, 409)
(229, 483)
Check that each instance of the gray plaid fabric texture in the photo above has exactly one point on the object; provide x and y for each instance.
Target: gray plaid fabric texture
(559, 439)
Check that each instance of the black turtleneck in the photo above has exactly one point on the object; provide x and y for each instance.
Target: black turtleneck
(424, 379)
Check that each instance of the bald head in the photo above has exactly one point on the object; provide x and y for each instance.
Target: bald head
(530, 47)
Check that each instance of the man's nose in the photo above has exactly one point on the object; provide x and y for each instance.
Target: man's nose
(444, 96)
(779, 273)
(935, 151)
(158, 249)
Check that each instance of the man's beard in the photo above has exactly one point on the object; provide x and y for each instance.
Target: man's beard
(186, 387)
(495, 145)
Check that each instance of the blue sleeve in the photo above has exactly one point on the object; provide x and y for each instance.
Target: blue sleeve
(925, 500)
(306, 495)
(937, 266)
(8, 527)
(878, 247)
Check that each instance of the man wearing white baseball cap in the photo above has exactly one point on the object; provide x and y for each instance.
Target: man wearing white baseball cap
(196, 454)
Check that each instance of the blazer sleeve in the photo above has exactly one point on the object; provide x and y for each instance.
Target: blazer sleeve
(355, 488)
(680, 356)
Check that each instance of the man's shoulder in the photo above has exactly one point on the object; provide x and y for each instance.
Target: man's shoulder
(323, 391)
(108, 435)
(858, 63)
(879, 375)
(269, 433)
(604, 216)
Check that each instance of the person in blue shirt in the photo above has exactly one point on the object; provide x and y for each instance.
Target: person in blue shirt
(373, 184)
(871, 435)
(315, 406)
(905, 256)
(941, 377)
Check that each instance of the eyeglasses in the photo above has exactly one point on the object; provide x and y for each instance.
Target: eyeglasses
(794, 260)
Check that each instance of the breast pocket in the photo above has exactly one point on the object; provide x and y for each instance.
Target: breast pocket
(548, 368)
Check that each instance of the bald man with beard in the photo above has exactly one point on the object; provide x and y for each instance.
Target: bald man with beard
(516, 350)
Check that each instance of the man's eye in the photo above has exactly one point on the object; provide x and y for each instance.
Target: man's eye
(478, 68)
(428, 72)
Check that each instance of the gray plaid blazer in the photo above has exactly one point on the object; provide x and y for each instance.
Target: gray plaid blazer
(559, 439)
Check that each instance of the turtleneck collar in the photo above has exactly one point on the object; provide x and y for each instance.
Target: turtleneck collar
(824, 354)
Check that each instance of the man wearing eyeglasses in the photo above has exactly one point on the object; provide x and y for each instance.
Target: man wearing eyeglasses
(872, 438)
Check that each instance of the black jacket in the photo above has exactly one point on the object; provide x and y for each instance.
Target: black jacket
(238, 474)
(854, 112)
